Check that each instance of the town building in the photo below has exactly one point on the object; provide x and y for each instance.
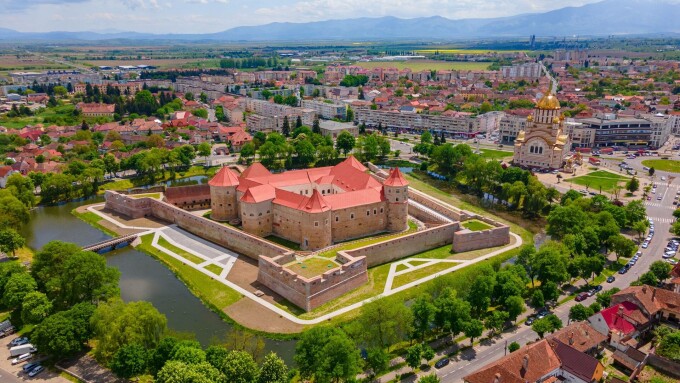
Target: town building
(332, 128)
(543, 143)
(96, 110)
(631, 133)
(327, 110)
(529, 71)
(454, 124)
(312, 207)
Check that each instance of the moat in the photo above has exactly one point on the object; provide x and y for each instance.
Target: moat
(142, 277)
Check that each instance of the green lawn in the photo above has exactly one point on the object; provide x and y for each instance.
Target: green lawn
(664, 165)
(476, 225)
(412, 228)
(403, 279)
(311, 267)
(495, 154)
(93, 219)
(60, 115)
(150, 195)
(182, 253)
(214, 269)
(599, 180)
(283, 242)
(210, 291)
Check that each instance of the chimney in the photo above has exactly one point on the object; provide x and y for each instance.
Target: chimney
(644, 289)
(525, 363)
(571, 338)
(653, 294)
(497, 378)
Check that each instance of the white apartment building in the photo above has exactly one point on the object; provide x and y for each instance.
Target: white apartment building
(464, 126)
(529, 71)
(326, 110)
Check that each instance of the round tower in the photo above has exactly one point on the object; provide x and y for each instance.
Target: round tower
(316, 223)
(223, 200)
(395, 189)
(256, 211)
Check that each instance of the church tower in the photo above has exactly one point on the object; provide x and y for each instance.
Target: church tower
(543, 144)
(395, 188)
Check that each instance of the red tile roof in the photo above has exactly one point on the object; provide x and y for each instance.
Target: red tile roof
(224, 177)
(256, 170)
(395, 178)
(615, 315)
(316, 203)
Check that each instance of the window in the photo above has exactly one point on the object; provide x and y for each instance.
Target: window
(368, 212)
(397, 199)
(375, 211)
(316, 223)
(381, 210)
(337, 218)
(351, 216)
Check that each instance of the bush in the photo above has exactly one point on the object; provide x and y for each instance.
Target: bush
(514, 346)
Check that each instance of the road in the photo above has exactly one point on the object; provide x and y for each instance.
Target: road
(660, 212)
(6, 377)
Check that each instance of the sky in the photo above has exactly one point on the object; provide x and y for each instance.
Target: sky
(207, 16)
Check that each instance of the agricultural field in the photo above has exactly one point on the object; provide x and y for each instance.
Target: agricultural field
(421, 65)
(26, 63)
(456, 51)
(599, 180)
(160, 63)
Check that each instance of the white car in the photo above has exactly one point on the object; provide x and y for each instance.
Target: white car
(663, 178)
(22, 358)
(638, 254)
(645, 244)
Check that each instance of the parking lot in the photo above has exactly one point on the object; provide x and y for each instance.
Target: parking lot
(13, 373)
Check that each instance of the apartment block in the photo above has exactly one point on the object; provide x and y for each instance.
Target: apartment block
(530, 71)
(326, 110)
(464, 126)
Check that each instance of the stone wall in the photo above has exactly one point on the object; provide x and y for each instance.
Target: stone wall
(423, 199)
(216, 232)
(193, 197)
(466, 240)
(401, 247)
(310, 293)
(666, 365)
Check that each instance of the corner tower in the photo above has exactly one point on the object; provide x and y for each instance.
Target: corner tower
(395, 189)
(223, 195)
(316, 223)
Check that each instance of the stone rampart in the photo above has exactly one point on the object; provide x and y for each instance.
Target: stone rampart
(192, 197)
(216, 232)
(401, 247)
(310, 293)
(467, 240)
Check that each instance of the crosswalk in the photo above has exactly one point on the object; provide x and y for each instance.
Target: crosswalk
(663, 220)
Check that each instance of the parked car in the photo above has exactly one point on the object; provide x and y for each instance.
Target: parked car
(591, 292)
(22, 358)
(36, 371)
(645, 244)
(598, 288)
(624, 269)
(18, 341)
(529, 321)
(442, 363)
(542, 313)
(29, 366)
(611, 279)
(581, 297)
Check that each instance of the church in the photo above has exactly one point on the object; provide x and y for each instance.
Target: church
(543, 144)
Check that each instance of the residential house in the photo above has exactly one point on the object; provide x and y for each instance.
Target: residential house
(656, 303)
(5, 172)
(622, 324)
(581, 336)
(96, 110)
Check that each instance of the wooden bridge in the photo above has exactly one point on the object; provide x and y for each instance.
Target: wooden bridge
(111, 244)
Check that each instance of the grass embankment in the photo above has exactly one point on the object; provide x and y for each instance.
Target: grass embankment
(149, 195)
(93, 219)
(414, 275)
(213, 293)
(182, 253)
(663, 165)
(599, 180)
(412, 228)
(283, 242)
(475, 225)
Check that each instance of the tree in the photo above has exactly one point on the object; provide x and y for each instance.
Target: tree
(579, 312)
(426, 137)
(473, 329)
(633, 185)
(85, 278)
(239, 367)
(11, 241)
(661, 270)
(179, 372)
(514, 346)
(161, 354)
(414, 355)
(433, 378)
(423, 315)
(496, 321)
(345, 142)
(116, 324)
(428, 353)
(64, 333)
(382, 323)
(189, 352)
(378, 360)
(202, 113)
(129, 361)
(649, 278)
(640, 227)
(604, 298)
(451, 312)
(285, 128)
(480, 293)
(22, 188)
(341, 360)
(669, 346)
(298, 122)
(316, 127)
(651, 171)
(622, 246)
(305, 152)
(35, 307)
(527, 259)
(320, 348)
(541, 326)
(273, 370)
(537, 299)
(514, 306)
(204, 150)
(248, 152)
(17, 287)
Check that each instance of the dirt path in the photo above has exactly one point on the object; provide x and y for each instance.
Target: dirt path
(257, 317)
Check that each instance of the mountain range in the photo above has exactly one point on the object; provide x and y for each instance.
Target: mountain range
(608, 17)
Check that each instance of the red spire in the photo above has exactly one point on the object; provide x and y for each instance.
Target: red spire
(316, 203)
(395, 179)
(224, 177)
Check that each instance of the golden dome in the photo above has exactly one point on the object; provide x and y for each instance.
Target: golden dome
(548, 101)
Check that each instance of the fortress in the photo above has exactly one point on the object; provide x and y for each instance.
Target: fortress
(315, 208)
(312, 207)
